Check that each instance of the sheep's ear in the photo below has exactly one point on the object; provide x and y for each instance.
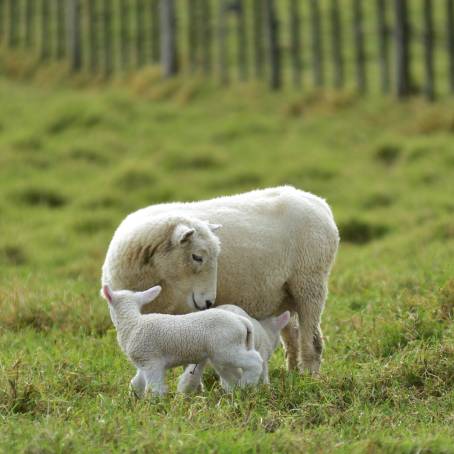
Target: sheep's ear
(182, 234)
(106, 292)
(149, 295)
(281, 321)
(214, 227)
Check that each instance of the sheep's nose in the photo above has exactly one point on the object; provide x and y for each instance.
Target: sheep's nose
(208, 303)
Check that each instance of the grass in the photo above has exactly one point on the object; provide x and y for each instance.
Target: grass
(74, 162)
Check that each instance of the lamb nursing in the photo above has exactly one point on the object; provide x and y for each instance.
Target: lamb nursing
(266, 340)
(156, 342)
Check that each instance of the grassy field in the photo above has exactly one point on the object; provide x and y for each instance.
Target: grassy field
(75, 161)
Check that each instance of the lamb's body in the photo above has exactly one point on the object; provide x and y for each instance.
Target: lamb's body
(266, 340)
(278, 246)
(156, 342)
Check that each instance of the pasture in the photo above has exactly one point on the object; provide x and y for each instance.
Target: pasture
(75, 160)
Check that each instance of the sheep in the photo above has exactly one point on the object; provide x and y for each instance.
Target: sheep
(278, 247)
(156, 342)
(266, 340)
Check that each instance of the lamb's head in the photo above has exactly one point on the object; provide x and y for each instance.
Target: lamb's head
(119, 298)
(273, 327)
(179, 253)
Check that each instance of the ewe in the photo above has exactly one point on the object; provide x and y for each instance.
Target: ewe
(278, 246)
(266, 340)
(156, 342)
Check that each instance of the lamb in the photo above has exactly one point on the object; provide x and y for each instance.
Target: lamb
(156, 342)
(266, 340)
(282, 240)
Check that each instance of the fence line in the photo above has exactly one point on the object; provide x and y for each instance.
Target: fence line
(396, 45)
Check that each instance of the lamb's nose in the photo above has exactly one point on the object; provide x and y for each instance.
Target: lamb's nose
(208, 303)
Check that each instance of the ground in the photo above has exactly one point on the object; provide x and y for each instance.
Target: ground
(75, 160)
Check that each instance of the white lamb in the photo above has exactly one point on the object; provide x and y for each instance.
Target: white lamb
(266, 340)
(156, 342)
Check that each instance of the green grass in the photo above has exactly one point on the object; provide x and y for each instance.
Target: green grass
(74, 162)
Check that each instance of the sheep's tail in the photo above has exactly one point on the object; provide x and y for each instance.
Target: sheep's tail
(249, 333)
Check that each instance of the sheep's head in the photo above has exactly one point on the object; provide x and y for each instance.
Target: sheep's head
(179, 253)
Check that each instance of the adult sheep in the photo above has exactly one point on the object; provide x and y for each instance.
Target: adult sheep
(278, 246)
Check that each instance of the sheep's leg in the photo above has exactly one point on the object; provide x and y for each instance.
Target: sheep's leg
(310, 294)
(155, 380)
(290, 338)
(137, 384)
(191, 379)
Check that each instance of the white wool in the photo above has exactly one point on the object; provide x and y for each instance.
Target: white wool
(266, 340)
(277, 249)
(156, 342)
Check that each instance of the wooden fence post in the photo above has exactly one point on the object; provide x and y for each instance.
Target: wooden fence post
(402, 40)
(13, 22)
(317, 44)
(93, 34)
(140, 32)
(45, 35)
(60, 13)
(336, 45)
(383, 44)
(295, 41)
(124, 34)
(223, 49)
(29, 22)
(107, 38)
(168, 29)
(428, 49)
(360, 54)
(193, 42)
(242, 41)
(206, 35)
(73, 30)
(2, 20)
(274, 55)
(450, 40)
(259, 50)
(155, 32)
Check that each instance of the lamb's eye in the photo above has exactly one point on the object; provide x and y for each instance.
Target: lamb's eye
(197, 258)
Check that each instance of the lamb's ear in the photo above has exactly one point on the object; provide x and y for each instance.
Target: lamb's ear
(281, 321)
(106, 293)
(214, 227)
(149, 295)
(182, 233)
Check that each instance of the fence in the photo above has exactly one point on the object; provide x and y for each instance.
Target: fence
(398, 46)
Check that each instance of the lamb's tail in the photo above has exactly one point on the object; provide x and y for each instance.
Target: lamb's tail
(249, 333)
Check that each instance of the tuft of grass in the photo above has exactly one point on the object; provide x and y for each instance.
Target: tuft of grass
(388, 154)
(360, 232)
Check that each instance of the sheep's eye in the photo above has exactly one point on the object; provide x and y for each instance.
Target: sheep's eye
(197, 258)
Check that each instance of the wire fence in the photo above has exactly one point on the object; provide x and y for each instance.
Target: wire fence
(387, 46)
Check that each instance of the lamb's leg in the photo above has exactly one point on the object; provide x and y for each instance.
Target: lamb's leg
(310, 295)
(137, 384)
(155, 380)
(290, 338)
(191, 379)
(265, 376)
